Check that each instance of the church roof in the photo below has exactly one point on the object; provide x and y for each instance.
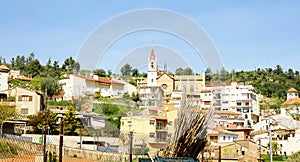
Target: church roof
(152, 56)
(166, 75)
(292, 90)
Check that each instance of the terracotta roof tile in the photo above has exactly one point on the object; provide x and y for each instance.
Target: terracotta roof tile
(292, 101)
(292, 90)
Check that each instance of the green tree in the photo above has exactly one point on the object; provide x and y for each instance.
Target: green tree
(126, 95)
(71, 122)
(42, 121)
(100, 72)
(6, 113)
(70, 65)
(208, 74)
(179, 71)
(34, 68)
(135, 72)
(109, 109)
(135, 97)
(126, 70)
(188, 71)
(275, 147)
(50, 86)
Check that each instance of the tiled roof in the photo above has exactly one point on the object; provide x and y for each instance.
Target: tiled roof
(4, 68)
(258, 132)
(116, 82)
(167, 108)
(292, 90)
(101, 80)
(166, 75)
(104, 80)
(225, 131)
(292, 101)
(24, 78)
(59, 95)
(216, 111)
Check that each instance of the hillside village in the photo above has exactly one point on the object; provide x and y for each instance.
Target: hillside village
(239, 126)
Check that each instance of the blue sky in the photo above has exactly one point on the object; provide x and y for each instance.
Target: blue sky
(248, 35)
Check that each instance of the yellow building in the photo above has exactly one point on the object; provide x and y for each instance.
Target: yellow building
(166, 82)
(152, 128)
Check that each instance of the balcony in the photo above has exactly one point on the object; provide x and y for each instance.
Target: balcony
(161, 128)
(161, 140)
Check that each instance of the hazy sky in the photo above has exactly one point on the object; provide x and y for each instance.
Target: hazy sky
(247, 34)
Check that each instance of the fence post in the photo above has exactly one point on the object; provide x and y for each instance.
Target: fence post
(61, 139)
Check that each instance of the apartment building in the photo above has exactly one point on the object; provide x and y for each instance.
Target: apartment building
(240, 98)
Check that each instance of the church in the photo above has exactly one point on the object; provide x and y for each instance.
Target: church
(157, 89)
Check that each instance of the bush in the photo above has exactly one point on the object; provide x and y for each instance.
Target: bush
(140, 151)
(275, 157)
(58, 103)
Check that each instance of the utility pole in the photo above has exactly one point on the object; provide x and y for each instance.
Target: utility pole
(61, 139)
(80, 136)
(130, 147)
(44, 143)
(45, 129)
(260, 150)
(219, 153)
(270, 134)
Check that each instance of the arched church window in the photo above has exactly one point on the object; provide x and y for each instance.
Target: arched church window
(164, 86)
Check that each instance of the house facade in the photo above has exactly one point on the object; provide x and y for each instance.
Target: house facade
(4, 73)
(152, 128)
(27, 102)
(76, 86)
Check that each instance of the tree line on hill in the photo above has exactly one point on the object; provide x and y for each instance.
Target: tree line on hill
(269, 82)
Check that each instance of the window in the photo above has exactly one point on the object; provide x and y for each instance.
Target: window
(224, 138)
(152, 135)
(24, 98)
(159, 125)
(170, 123)
(24, 110)
(206, 102)
(152, 65)
(152, 122)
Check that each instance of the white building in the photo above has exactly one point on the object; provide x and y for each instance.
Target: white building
(285, 131)
(4, 72)
(235, 97)
(73, 86)
(221, 136)
(123, 87)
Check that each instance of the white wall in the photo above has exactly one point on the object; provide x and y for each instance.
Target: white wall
(3, 81)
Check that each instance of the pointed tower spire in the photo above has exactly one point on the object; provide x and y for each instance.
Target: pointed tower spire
(152, 55)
